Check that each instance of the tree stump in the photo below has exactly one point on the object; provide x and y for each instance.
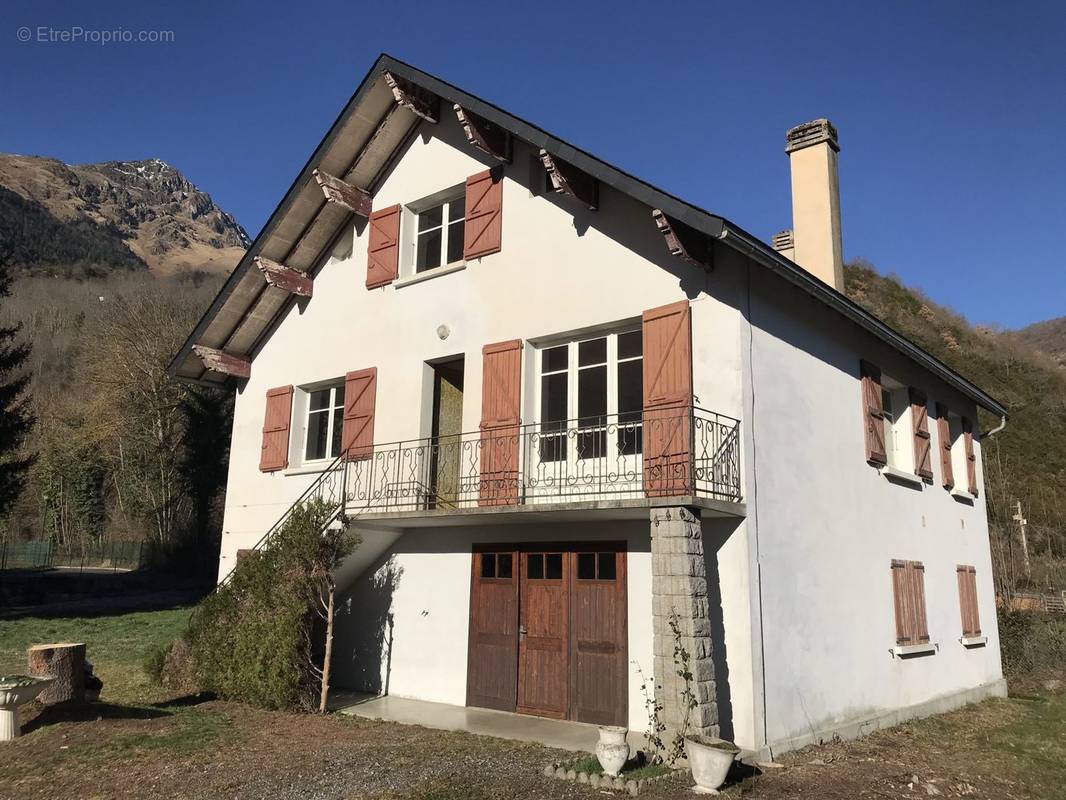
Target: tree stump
(65, 663)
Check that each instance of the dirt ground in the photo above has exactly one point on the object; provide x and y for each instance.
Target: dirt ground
(143, 743)
(1001, 749)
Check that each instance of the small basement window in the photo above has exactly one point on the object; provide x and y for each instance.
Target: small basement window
(439, 232)
(325, 420)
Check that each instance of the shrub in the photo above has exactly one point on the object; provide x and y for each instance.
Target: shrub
(1031, 643)
(252, 640)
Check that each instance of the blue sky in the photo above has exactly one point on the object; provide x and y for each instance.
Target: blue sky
(952, 115)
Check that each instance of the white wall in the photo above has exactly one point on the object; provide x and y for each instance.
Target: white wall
(822, 526)
(404, 625)
(562, 268)
(829, 524)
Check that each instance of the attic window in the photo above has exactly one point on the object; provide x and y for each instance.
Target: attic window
(439, 233)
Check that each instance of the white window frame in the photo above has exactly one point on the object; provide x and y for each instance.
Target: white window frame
(632, 463)
(303, 413)
(409, 233)
(959, 469)
(899, 425)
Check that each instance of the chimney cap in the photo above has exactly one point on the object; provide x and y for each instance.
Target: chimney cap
(811, 133)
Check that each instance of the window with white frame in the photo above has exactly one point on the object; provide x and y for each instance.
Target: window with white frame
(958, 451)
(899, 435)
(438, 231)
(325, 420)
(593, 385)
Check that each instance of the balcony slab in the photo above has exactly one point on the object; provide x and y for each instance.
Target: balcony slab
(575, 511)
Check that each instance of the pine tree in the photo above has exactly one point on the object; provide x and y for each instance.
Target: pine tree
(16, 419)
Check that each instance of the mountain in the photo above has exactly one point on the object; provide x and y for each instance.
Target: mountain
(1024, 462)
(1048, 336)
(58, 218)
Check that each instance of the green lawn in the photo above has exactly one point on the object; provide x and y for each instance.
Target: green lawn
(117, 646)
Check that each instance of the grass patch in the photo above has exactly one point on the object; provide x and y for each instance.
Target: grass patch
(634, 769)
(117, 645)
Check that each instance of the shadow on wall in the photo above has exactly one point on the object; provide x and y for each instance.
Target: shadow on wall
(715, 534)
(362, 654)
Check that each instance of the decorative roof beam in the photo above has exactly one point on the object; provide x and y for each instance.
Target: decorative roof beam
(344, 194)
(684, 242)
(414, 98)
(223, 363)
(286, 278)
(567, 179)
(484, 135)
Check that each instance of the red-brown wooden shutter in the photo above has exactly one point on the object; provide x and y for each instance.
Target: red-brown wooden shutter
(923, 451)
(943, 435)
(383, 252)
(667, 434)
(483, 229)
(276, 423)
(971, 620)
(908, 594)
(873, 413)
(360, 400)
(500, 419)
(921, 626)
(971, 459)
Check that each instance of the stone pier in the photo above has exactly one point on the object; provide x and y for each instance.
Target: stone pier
(679, 586)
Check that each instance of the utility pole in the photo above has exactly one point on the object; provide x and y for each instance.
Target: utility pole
(1022, 522)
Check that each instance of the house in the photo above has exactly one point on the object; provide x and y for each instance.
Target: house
(578, 421)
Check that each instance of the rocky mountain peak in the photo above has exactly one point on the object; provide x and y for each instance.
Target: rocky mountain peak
(157, 213)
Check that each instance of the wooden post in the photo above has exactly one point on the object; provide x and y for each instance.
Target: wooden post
(65, 663)
(1022, 522)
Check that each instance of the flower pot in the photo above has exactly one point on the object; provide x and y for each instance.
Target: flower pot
(709, 760)
(612, 751)
(15, 690)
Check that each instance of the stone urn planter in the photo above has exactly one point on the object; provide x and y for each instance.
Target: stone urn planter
(709, 760)
(15, 690)
(612, 751)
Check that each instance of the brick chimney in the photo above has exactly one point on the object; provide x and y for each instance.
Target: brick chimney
(812, 152)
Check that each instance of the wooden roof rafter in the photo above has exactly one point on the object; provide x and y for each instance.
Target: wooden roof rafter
(484, 135)
(684, 242)
(414, 98)
(344, 194)
(568, 179)
(285, 278)
(222, 362)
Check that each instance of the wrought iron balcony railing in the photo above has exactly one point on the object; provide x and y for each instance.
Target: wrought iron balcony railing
(680, 451)
(668, 452)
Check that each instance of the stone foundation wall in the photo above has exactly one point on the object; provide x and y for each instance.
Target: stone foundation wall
(679, 586)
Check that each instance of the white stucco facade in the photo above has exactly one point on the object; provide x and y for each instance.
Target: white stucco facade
(803, 627)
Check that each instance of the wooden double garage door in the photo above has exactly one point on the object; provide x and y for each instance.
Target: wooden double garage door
(548, 630)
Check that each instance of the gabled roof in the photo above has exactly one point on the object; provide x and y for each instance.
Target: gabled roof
(362, 144)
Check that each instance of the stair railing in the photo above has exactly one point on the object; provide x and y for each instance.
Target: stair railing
(330, 486)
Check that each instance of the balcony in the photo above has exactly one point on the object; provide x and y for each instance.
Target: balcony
(678, 455)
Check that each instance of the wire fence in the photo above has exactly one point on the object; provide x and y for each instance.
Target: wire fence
(113, 556)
